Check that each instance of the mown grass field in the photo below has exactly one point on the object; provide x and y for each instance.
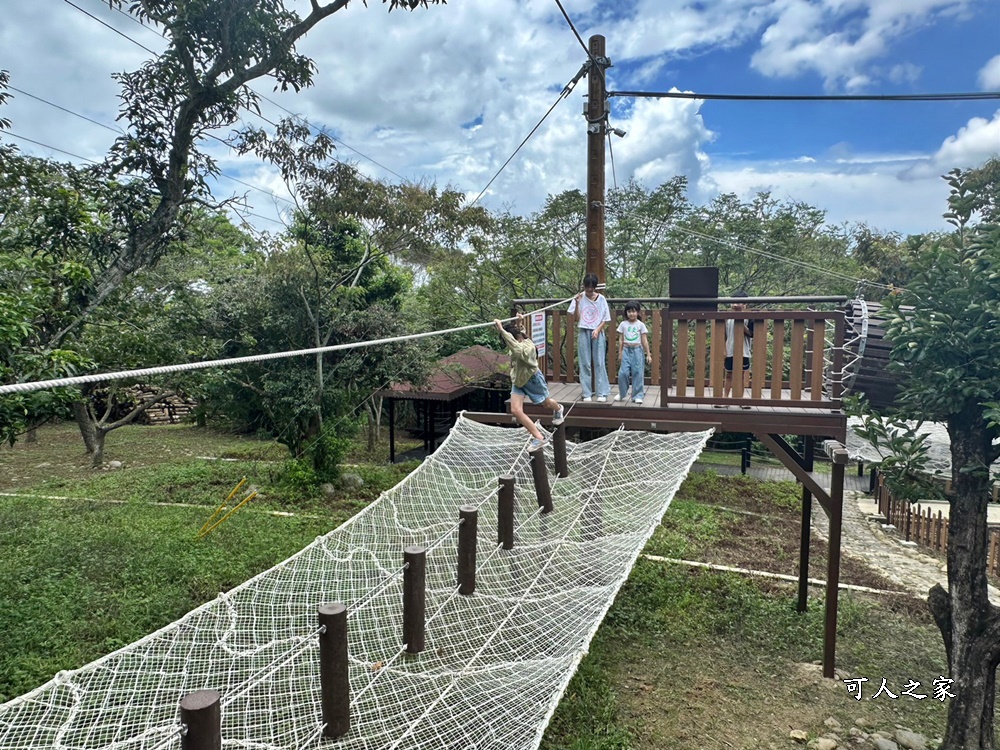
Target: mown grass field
(686, 659)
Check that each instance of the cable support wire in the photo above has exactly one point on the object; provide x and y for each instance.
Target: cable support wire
(187, 367)
(593, 60)
(562, 95)
(946, 97)
(305, 641)
(773, 256)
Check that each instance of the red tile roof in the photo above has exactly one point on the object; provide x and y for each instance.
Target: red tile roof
(455, 376)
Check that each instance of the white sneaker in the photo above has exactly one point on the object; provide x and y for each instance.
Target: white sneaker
(535, 443)
(587, 399)
(602, 399)
(558, 416)
(618, 398)
(638, 400)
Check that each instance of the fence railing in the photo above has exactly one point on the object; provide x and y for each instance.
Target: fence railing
(925, 527)
(796, 357)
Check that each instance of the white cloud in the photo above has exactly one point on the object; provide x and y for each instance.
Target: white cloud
(839, 39)
(989, 75)
(877, 197)
(972, 145)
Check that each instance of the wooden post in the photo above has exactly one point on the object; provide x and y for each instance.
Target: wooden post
(201, 714)
(335, 684)
(806, 529)
(505, 512)
(467, 549)
(414, 598)
(392, 430)
(839, 459)
(559, 451)
(597, 114)
(541, 477)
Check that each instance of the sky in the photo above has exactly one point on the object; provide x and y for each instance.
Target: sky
(444, 95)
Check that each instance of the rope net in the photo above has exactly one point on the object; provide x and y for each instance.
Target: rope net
(495, 664)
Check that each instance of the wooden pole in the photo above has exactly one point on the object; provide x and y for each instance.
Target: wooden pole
(596, 113)
(804, 536)
(541, 477)
(414, 598)
(469, 515)
(839, 458)
(335, 684)
(559, 449)
(505, 512)
(201, 715)
(392, 430)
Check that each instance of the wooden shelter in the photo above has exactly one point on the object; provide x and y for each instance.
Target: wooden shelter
(794, 387)
(475, 377)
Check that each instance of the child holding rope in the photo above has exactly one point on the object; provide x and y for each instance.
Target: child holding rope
(633, 342)
(527, 380)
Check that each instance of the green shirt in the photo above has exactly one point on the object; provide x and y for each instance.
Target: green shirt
(523, 359)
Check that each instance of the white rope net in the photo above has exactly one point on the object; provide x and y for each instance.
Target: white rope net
(495, 664)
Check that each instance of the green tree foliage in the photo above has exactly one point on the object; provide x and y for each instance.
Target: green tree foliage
(318, 290)
(160, 316)
(215, 49)
(945, 334)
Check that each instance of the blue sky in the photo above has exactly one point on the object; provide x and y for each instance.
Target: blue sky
(445, 95)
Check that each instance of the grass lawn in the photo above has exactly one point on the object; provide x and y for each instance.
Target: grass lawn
(686, 659)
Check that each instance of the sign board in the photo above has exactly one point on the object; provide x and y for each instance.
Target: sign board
(538, 332)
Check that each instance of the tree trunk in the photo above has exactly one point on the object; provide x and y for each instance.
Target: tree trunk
(964, 614)
(88, 429)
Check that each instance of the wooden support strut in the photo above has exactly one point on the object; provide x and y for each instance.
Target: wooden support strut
(838, 455)
(793, 462)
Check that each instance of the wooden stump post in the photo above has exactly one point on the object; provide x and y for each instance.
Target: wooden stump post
(414, 598)
(201, 714)
(467, 549)
(335, 684)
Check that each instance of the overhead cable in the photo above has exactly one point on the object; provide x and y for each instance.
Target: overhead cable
(973, 96)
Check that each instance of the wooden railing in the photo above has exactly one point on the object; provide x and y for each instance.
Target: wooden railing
(790, 361)
(796, 355)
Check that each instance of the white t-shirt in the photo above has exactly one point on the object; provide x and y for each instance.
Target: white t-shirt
(632, 332)
(729, 338)
(592, 312)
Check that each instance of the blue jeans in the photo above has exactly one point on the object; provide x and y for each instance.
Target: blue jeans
(592, 354)
(632, 370)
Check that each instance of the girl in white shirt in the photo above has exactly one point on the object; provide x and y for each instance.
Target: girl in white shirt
(592, 315)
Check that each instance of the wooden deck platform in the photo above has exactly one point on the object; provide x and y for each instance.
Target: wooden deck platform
(738, 415)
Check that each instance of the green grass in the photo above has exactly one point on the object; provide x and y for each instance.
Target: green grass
(685, 659)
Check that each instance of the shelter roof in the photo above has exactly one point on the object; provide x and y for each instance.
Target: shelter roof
(454, 376)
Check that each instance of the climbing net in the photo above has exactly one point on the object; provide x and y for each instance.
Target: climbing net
(495, 663)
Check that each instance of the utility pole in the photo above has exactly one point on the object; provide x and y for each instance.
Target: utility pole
(596, 113)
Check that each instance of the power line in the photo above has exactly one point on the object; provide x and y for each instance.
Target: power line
(118, 131)
(51, 148)
(104, 23)
(973, 96)
(265, 98)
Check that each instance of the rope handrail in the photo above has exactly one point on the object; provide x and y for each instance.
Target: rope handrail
(186, 367)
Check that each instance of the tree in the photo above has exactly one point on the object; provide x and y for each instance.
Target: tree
(200, 83)
(160, 316)
(315, 291)
(946, 348)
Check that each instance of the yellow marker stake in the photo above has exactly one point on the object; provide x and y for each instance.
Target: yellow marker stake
(205, 528)
(216, 525)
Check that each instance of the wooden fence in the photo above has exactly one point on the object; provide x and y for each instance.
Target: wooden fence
(796, 355)
(925, 527)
